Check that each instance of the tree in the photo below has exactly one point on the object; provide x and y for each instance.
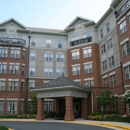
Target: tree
(33, 104)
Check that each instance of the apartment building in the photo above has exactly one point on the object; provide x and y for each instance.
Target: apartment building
(95, 55)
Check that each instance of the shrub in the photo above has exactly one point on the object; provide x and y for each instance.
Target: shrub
(3, 128)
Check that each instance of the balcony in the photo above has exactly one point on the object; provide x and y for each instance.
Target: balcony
(81, 41)
(12, 41)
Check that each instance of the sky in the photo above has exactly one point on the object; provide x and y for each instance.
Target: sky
(55, 14)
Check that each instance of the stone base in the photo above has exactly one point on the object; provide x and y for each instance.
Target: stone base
(69, 117)
(40, 117)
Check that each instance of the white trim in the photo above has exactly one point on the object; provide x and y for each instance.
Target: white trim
(88, 63)
(48, 100)
(128, 13)
(12, 99)
(77, 80)
(31, 80)
(2, 79)
(46, 81)
(88, 79)
(24, 49)
(13, 79)
(125, 40)
(126, 64)
(22, 80)
(122, 20)
(15, 63)
(2, 99)
(3, 62)
(112, 73)
(15, 48)
(23, 64)
(76, 65)
(105, 76)
(74, 50)
(4, 47)
(89, 47)
(21, 99)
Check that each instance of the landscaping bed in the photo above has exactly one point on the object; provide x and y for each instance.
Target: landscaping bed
(3, 127)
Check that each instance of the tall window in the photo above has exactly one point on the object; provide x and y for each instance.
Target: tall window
(111, 61)
(15, 53)
(32, 55)
(48, 72)
(105, 80)
(109, 43)
(87, 53)
(23, 70)
(22, 86)
(2, 68)
(76, 70)
(126, 48)
(60, 57)
(48, 56)
(103, 48)
(32, 71)
(75, 55)
(31, 84)
(101, 33)
(104, 64)
(2, 85)
(59, 72)
(48, 106)
(3, 52)
(88, 68)
(14, 69)
(24, 54)
(12, 107)
(89, 83)
(127, 72)
(48, 43)
(123, 27)
(108, 27)
(60, 44)
(1, 107)
(13, 85)
(113, 80)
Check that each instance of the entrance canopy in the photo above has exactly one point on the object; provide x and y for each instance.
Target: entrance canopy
(62, 87)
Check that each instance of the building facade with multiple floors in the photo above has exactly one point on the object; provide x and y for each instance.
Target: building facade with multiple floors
(95, 55)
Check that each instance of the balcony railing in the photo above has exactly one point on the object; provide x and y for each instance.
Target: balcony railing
(80, 41)
(122, 9)
(14, 41)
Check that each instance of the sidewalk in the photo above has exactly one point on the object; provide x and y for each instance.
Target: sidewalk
(120, 125)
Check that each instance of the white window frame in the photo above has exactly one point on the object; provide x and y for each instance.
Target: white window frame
(109, 43)
(15, 53)
(104, 65)
(111, 61)
(49, 72)
(13, 85)
(101, 33)
(75, 70)
(59, 72)
(113, 80)
(60, 57)
(108, 27)
(2, 87)
(3, 68)
(88, 68)
(126, 48)
(127, 72)
(48, 56)
(87, 52)
(103, 48)
(123, 27)
(48, 43)
(105, 82)
(31, 84)
(1, 107)
(3, 52)
(90, 83)
(75, 55)
(48, 106)
(14, 69)
(12, 107)
(32, 55)
(32, 71)
(60, 44)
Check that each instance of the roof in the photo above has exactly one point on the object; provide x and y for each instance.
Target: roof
(60, 82)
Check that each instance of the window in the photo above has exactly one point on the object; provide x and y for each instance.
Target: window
(21, 107)
(3, 52)
(60, 57)
(32, 56)
(105, 80)
(77, 81)
(23, 70)
(48, 57)
(115, 102)
(108, 27)
(31, 84)
(14, 69)
(104, 64)
(103, 49)
(88, 68)
(76, 70)
(113, 80)
(15, 53)
(48, 106)
(13, 85)
(2, 68)
(89, 83)
(1, 107)
(59, 44)
(2, 85)
(127, 72)
(22, 86)
(101, 33)
(48, 43)
(33, 43)
(111, 61)
(109, 44)
(12, 107)
(32, 71)
(24, 54)
(126, 48)
(48, 72)
(123, 27)
(75, 55)
(59, 72)
(87, 53)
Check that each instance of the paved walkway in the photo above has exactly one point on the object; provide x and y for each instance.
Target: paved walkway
(116, 125)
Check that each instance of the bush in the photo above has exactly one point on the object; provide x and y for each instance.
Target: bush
(3, 128)
(27, 116)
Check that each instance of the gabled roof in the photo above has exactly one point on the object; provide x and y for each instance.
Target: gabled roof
(79, 17)
(61, 82)
(15, 21)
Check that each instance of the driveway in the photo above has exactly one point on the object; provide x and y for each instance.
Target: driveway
(49, 126)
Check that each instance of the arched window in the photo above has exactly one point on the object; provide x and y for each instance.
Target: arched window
(32, 55)
(60, 57)
(48, 56)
